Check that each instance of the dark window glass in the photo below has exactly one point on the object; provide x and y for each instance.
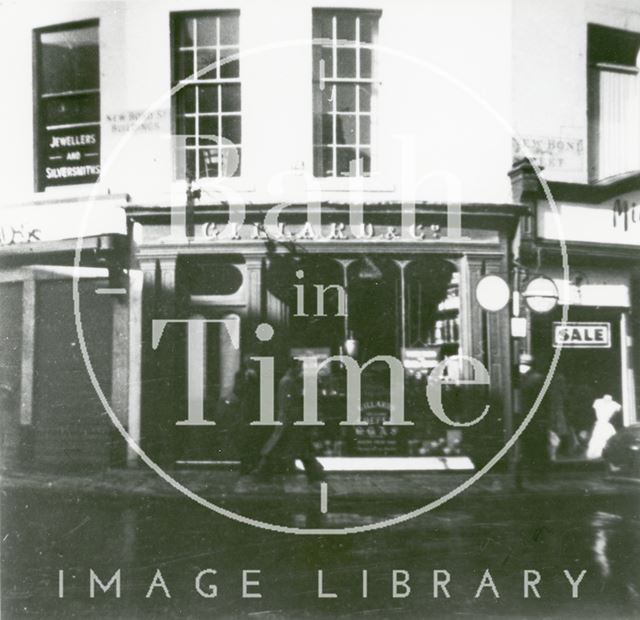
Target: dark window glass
(68, 109)
(213, 40)
(343, 74)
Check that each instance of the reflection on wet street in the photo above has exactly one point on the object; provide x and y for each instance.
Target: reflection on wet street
(45, 534)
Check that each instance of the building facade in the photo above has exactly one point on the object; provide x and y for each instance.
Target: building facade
(336, 171)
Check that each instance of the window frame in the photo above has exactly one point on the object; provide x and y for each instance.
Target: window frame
(333, 81)
(176, 19)
(39, 127)
(594, 68)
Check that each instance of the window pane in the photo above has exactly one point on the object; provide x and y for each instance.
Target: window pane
(365, 63)
(367, 28)
(327, 95)
(365, 162)
(326, 136)
(185, 31)
(346, 62)
(208, 98)
(207, 63)
(327, 162)
(231, 68)
(229, 30)
(209, 162)
(230, 162)
(231, 128)
(70, 60)
(190, 166)
(209, 130)
(207, 30)
(365, 99)
(346, 129)
(322, 26)
(346, 97)
(347, 27)
(326, 55)
(186, 126)
(186, 99)
(230, 97)
(365, 129)
(343, 161)
(72, 109)
(184, 66)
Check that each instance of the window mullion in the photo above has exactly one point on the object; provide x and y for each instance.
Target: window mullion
(357, 120)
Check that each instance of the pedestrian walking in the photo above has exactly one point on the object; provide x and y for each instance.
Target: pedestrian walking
(247, 395)
(533, 449)
(288, 442)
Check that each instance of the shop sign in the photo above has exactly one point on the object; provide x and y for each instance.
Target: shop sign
(581, 335)
(334, 231)
(559, 153)
(420, 359)
(57, 221)
(72, 156)
(615, 221)
(374, 437)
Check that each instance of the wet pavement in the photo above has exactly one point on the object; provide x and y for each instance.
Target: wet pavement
(43, 533)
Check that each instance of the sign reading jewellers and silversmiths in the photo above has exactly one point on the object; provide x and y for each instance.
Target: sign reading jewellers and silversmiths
(581, 335)
(71, 155)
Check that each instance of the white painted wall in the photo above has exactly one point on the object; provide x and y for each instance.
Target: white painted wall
(445, 71)
(550, 73)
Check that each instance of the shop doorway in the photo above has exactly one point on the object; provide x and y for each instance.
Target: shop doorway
(373, 306)
(585, 373)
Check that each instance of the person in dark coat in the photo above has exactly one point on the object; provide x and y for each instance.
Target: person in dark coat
(288, 442)
(533, 453)
(247, 394)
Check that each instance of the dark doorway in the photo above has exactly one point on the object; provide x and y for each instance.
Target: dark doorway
(582, 376)
(373, 305)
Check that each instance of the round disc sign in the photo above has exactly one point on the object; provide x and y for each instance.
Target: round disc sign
(541, 294)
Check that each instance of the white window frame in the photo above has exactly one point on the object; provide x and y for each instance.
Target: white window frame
(226, 162)
(332, 80)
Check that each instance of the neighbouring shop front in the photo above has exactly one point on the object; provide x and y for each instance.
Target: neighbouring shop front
(593, 392)
(327, 290)
(51, 415)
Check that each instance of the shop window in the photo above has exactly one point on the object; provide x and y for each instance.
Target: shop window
(614, 101)
(213, 278)
(67, 105)
(344, 91)
(207, 108)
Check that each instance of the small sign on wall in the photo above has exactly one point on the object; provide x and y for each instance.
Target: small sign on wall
(582, 335)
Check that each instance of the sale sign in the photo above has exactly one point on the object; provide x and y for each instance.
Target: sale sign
(582, 335)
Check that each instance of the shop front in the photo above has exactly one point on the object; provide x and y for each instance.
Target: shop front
(593, 393)
(393, 299)
(51, 415)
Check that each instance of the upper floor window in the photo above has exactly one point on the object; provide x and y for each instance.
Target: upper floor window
(207, 104)
(343, 91)
(67, 104)
(614, 101)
